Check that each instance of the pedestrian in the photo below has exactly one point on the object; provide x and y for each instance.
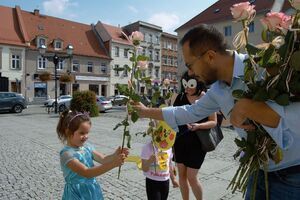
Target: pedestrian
(77, 156)
(206, 55)
(188, 153)
(158, 169)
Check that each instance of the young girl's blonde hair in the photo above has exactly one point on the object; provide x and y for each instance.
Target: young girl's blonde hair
(69, 122)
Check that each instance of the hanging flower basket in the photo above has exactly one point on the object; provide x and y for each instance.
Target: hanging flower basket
(66, 78)
(45, 76)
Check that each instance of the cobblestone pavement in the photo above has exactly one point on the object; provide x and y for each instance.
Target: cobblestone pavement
(30, 168)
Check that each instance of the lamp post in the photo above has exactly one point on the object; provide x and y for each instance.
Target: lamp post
(55, 58)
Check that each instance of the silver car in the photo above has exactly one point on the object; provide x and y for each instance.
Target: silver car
(103, 103)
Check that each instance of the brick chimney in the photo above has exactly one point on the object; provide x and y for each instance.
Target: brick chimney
(36, 12)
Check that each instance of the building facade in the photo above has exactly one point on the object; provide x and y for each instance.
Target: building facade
(169, 59)
(150, 47)
(88, 66)
(118, 46)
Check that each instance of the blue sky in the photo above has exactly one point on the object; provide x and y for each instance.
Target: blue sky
(169, 14)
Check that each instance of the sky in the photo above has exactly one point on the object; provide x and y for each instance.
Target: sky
(169, 14)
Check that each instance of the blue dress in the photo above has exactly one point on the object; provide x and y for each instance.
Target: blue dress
(78, 187)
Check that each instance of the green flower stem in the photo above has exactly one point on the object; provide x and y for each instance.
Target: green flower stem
(123, 143)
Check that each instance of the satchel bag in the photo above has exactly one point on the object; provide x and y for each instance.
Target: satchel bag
(210, 138)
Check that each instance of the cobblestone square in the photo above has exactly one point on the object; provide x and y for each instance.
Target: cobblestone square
(30, 162)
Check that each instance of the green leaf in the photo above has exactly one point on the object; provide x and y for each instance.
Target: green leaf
(252, 49)
(238, 94)
(125, 122)
(295, 60)
(261, 95)
(282, 99)
(137, 74)
(134, 116)
(132, 59)
(264, 35)
(129, 108)
(155, 97)
(117, 126)
(135, 97)
(142, 58)
(273, 93)
(267, 55)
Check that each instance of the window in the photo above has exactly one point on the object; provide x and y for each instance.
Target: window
(15, 61)
(175, 62)
(117, 50)
(251, 27)
(150, 55)
(144, 52)
(90, 67)
(169, 60)
(150, 71)
(126, 53)
(116, 70)
(157, 56)
(57, 45)
(227, 30)
(103, 68)
(164, 60)
(150, 38)
(75, 66)
(125, 73)
(40, 89)
(60, 65)
(156, 72)
(42, 41)
(42, 62)
(157, 40)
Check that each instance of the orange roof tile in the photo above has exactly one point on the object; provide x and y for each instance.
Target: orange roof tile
(220, 11)
(10, 32)
(81, 36)
(116, 34)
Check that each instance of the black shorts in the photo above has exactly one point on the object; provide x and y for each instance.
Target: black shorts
(187, 150)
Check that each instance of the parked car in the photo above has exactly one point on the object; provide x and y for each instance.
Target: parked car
(12, 101)
(103, 103)
(119, 100)
(62, 98)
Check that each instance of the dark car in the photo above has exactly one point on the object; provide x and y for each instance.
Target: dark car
(12, 101)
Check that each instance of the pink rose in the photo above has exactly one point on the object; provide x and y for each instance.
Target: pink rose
(142, 65)
(276, 21)
(166, 82)
(242, 11)
(136, 37)
(295, 4)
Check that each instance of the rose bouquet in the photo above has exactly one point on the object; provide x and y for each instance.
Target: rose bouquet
(272, 73)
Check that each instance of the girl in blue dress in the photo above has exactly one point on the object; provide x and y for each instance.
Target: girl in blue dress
(77, 157)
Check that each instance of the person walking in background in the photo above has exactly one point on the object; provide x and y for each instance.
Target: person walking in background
(77, 157)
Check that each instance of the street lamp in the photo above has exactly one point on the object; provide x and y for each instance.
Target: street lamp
(55, 58)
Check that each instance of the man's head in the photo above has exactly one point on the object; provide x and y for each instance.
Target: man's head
(201, 47)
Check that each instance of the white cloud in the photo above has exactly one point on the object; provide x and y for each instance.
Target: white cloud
(133, 9)
(168, 22)
(57, 7)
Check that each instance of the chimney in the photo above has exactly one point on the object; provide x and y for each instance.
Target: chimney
(36, 12)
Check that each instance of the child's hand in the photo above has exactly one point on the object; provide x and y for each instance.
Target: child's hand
(124, 151)
(152, 159)
(175, 184)
(118, 160)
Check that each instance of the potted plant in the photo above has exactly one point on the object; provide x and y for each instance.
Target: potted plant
(45, 76)
(66, 78)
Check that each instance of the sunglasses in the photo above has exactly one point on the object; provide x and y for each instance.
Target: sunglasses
(192, 83)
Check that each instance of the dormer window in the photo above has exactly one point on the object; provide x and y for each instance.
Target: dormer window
(41, 41)
(57, 45)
